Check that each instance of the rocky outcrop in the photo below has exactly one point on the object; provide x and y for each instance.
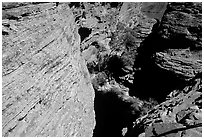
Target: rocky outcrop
(177, 55)
(110, 51)
(181, 39)
(132, 28)
(179, 116)
(120, 37)
(181, 62)
(134, 38)
(154, 9)
(46, 88)
(102, 69)
(182, 24)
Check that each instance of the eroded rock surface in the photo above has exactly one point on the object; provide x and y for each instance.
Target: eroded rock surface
(180, 30)
(179, 116)
(102, 69)
(46, 86)
(179, 62)
(182, 23)
(177, 53)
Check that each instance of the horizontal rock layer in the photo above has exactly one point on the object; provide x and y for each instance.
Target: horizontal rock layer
(177, 51)
(184, 67)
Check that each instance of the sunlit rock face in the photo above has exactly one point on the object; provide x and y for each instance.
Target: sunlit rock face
(104, 69)
(46, 90)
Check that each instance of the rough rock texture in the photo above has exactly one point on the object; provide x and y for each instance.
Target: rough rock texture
(182, 23)
(181, 36)
(177, 52)
(180, 62)
(46, 90)
(133, 26)
(117, 38)
(137, 54)
(111, 34)
(154, 9)
(179, 116)
(144, 62)
(173, 59)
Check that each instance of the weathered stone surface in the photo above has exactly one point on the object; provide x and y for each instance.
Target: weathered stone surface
(144, 61)
(169, 54)
(132, 28)
(183, 64)
(46, 88)
(179, 115)
(181, 38)
(177, 52)
(182, 23)
(158, 129)
(121, 34)
(154, 9)
(112, 56)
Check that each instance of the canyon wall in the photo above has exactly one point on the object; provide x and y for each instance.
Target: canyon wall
(102, 69)
(46, 90)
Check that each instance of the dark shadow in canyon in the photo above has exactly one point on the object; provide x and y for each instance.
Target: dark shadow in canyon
(112, 115)
(153, 82)
(74, 4)
(150, 81)
(84, 32)
(107, 116)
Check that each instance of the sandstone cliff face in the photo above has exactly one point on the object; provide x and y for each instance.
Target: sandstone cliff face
(102, 69)
(46, 88)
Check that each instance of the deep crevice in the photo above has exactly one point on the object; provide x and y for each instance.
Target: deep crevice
(10, 17)
(115, 4)
(84, 32)
(153, 82)
(150, 81)
(107, 117)
(112, 114)
(74, 4)
(5, 33)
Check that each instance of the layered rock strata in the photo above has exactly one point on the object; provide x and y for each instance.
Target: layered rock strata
(46, 90)
(143, 60)
(177, 51)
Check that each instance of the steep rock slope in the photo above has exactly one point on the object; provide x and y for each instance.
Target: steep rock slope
(152, 52)
(112, 36)
(177, 53)
(46, 86)
(144, 61)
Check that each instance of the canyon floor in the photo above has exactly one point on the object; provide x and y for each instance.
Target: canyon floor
(102, 69)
